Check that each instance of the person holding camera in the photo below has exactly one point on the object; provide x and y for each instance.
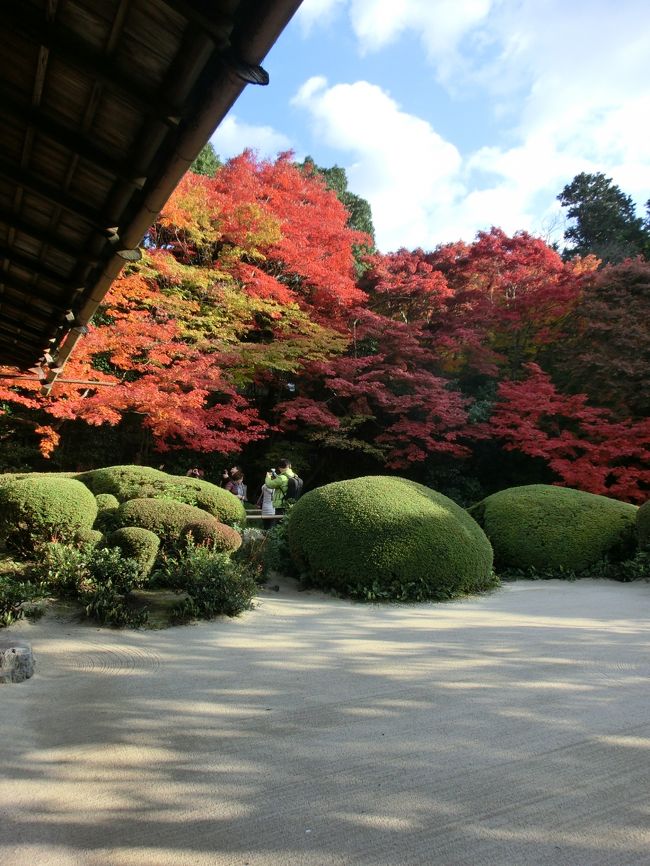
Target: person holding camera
(279, 484)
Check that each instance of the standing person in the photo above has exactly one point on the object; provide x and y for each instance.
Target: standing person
(227, 474)
(279, 483)
(265, 503)
(236, 485)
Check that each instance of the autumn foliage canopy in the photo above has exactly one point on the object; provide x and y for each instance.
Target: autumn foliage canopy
(249, 283)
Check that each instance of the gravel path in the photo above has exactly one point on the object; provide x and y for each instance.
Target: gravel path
(508, 729)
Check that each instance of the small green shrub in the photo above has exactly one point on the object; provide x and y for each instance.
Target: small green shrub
(384, 538)
(214, 583)
(106, 501)
(544, 527)
(15, 598)
(98, 578)
(643, 525)
(123, 482)
(625, 571)
(106, 521)
(34, 510)
(143, 482)
(277, 554)
(138, 544)
(253, 553)
(88, 537)
(61, 569)
(164, 517)
(208, 532)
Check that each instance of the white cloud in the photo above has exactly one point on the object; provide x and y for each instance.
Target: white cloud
(569, 79)
(399, 163)
(440, 24)
(317, 12)
(233, 136)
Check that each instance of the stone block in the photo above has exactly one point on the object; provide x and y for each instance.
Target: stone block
(16, 660)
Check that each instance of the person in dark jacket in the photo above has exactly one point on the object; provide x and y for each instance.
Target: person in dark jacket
(236, 485)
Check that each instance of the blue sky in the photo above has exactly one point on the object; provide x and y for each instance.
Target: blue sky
(450, 116)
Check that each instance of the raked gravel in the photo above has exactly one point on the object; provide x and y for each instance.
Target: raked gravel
(512, 728)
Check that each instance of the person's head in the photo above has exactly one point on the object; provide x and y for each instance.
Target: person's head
(283, 465)
(235, 469)
(236, 475)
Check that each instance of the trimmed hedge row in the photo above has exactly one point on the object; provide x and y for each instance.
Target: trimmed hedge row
(385, 537)
(172, 521)
(544, 527)
(143, 482)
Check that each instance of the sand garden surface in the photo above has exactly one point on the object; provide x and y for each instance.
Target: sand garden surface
(512, 728)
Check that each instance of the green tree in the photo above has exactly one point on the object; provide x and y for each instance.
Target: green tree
(604, 220)
(207, 162)
(360, 213)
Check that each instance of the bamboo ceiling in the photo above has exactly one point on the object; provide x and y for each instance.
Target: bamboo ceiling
(104, 104)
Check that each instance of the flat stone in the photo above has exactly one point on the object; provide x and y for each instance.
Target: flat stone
(16, 660)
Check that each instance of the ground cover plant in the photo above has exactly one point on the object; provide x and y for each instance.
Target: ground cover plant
(213, 582)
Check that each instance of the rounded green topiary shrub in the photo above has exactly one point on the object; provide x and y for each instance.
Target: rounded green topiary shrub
(379, 537)
(643, 525)
(166, 518)
(123, 482)
(106, 501)
(143, 482)
(136, 543)
(36, 510)
(540, 526)
(88, 537)
(215, 535)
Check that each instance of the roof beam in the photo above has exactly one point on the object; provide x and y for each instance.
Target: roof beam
(23, 289)
(37, 268)
(20, 323)
(73, 140)
(27, 20)
(16, 352)
(212, 24)
(45, 237)
(21, 177)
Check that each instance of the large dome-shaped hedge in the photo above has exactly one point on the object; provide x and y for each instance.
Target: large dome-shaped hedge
(36, 509)
(544, 527)
(142, 482)
(382, 537)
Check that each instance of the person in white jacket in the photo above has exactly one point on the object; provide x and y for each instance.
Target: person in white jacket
(265, 502)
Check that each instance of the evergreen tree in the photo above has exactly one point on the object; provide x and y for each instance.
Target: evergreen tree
(604, 220)
(207, 162)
